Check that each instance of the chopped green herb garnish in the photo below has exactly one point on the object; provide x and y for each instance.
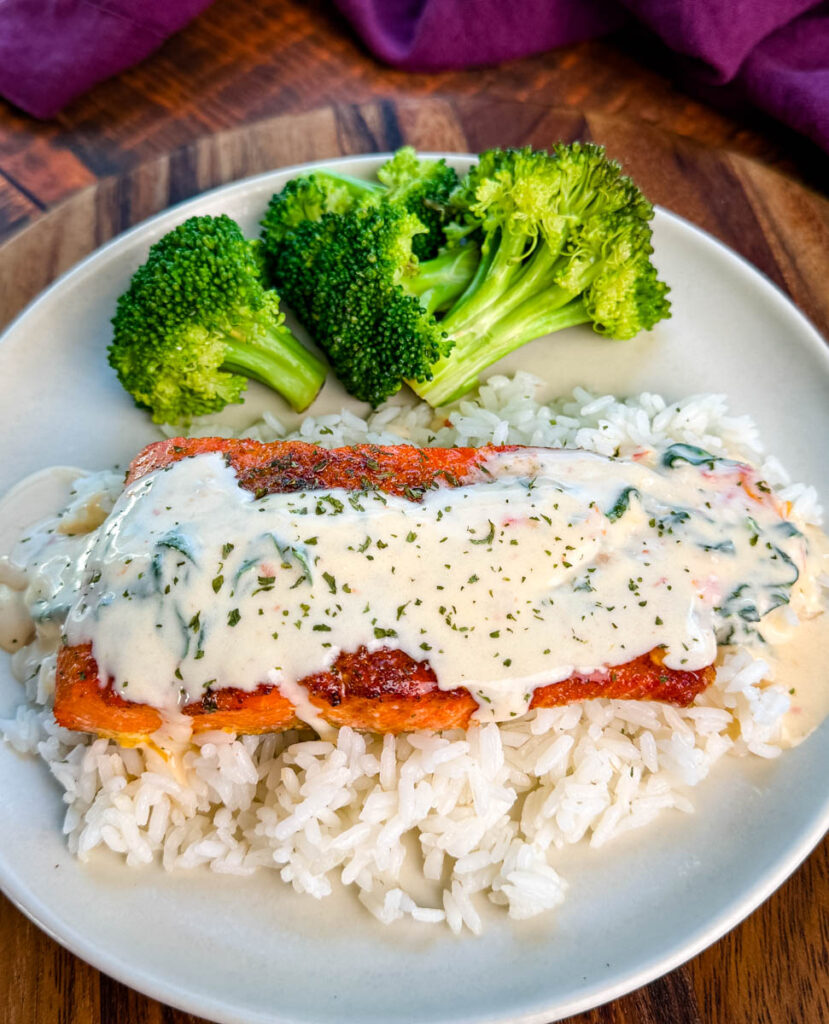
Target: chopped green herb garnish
(490, 537)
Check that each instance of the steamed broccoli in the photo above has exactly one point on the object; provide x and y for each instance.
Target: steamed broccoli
(424, 188)
(528, 243)
(565, 240)
(419, 186)
(343, 275)
(198, 319)
(342, 256)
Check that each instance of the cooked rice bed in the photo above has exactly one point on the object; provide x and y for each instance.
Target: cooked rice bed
(487, 808)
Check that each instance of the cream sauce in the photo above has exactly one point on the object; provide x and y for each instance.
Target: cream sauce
(46, 492)
(803, 672)
(553, 562)
(39, 580)
(547, 564)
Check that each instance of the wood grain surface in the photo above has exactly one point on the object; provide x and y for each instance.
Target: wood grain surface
(773, 968)
(243, 60)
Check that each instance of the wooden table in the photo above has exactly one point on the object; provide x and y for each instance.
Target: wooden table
(148, 139)
(244, 60)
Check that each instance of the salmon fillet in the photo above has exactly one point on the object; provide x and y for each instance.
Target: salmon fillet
(378, 691)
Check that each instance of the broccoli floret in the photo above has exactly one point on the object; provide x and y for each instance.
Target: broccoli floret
(345, 275)
(304, 199)
(421, 187)
(343, 254)
(530, 242)
(424, 188)
(565, 240)
(198, 319)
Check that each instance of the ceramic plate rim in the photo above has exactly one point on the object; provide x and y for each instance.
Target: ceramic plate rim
(185, 999)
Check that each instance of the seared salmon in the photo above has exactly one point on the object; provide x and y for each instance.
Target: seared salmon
(378, 691)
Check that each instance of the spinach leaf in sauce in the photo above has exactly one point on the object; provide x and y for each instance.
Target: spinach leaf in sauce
(622, 504)
(694, 456)
(176, 540)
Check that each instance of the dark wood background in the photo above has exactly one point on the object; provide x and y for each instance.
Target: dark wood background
(243, 60)
(190, 117)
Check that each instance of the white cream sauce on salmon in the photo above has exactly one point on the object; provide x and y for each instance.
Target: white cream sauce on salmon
(552, 562)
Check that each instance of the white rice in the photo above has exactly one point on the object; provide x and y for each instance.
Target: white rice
(481, 813)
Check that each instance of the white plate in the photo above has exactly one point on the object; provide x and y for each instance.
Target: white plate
(250, 950)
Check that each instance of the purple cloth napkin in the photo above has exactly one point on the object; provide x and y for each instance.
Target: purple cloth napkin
(53, 50)
(775, 52)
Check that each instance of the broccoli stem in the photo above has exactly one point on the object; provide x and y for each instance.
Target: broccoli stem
(531, 306)
(518, 281)
(358, 187)
(537, 275)
(278, 360)
(440, 281)
(474, 351)
(497, 270)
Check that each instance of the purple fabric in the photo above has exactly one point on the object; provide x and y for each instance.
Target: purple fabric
(788, 75)
(720, 33)
(774, 52)
(430, 35)
(53, 50)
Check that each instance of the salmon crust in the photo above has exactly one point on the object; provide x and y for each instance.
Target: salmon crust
(378, 691)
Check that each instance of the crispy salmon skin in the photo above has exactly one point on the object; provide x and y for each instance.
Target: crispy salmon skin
(379, 691)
